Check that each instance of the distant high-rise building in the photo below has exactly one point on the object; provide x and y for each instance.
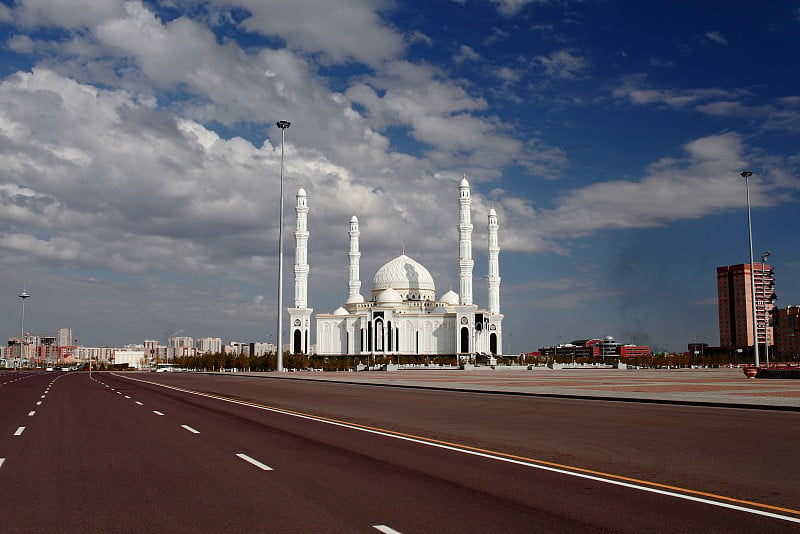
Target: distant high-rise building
(64, 338)
(180, 342)
(735, 301)
(238, 347)
(259, 348)
(180, 346)
(786, 325)
(207, 345)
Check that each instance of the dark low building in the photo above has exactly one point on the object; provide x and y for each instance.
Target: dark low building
(598, 349)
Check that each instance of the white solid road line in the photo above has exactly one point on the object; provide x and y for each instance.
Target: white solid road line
(190, 429)
(254, 462)
(157, 412)
(19, 431)
(385, 529)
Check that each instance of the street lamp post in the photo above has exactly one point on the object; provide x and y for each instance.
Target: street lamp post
(283, 125)
(746, 175)
(22, 297)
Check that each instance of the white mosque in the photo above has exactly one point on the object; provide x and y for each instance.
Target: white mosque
(402, 315)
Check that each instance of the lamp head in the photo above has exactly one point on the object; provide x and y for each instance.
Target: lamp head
(746, 174)
(283, 124)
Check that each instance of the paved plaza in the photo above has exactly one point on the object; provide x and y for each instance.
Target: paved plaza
(715, 386)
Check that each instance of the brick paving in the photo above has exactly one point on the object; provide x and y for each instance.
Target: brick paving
(723, 386)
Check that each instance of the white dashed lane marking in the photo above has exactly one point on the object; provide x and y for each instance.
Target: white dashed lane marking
(139, 403)
(19, 431)
(190, 429)
(256, 463)
(31, 413)
(157, 412)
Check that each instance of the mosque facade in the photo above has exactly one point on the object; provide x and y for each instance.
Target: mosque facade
(402, 315)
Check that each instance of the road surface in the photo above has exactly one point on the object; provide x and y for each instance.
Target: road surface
(173, 452)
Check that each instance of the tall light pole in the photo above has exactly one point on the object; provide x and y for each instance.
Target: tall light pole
(22, 297)
(746, 175)
(283, 125)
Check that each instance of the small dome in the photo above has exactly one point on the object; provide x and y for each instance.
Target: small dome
(354, 218)
(301, 192)
(340, 311)
(492, 213)
(464, 182)
(389, 296)
(355, 299)
(450, 298)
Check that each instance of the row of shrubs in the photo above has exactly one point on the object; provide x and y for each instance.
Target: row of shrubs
(268, 362)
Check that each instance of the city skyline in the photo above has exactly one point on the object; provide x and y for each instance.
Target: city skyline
(140, 158)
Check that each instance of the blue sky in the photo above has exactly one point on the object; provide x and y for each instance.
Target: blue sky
(139, 158)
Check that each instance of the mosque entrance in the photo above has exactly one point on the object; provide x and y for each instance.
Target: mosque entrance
(297, 344)
(464, 339)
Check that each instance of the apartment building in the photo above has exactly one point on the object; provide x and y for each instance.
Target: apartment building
(786, 325)
(735, 303)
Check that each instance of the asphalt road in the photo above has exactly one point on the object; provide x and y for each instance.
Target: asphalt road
(118, 453)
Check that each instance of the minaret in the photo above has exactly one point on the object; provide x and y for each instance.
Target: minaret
(300, 315)
(465, 262)
(494, 264)
(301, 251)
(354, 281)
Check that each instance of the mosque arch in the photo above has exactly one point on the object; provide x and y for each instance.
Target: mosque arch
(464, 339)
(297, 342)
(379, 335)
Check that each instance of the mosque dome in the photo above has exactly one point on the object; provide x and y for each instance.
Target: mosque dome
(407, 277)
(450, 298)
(340, 311)
(389, 296)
